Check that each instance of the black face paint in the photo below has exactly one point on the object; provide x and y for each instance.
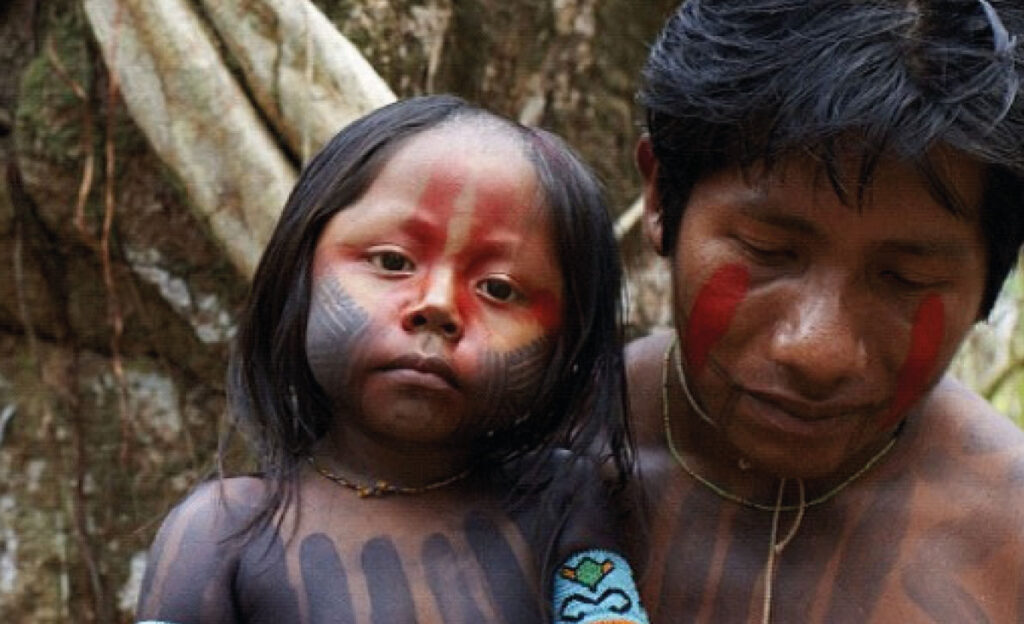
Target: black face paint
(512, 379)
(334, 334)
(447, 583)
(325, 581)
(390, 596)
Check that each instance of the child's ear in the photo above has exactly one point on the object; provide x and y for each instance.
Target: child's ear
(647, 164)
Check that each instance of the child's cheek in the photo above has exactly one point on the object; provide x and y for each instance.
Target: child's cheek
(335, 333)
(916, 374)
(712, 312)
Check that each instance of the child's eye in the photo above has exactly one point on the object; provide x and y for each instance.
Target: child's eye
(392, 262)
(499, 289)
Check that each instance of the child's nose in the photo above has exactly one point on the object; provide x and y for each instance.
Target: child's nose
(435, 310)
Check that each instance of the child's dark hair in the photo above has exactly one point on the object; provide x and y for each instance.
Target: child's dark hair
(273, 396)
(744, 83)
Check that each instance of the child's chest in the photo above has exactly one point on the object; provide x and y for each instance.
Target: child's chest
(383, 566)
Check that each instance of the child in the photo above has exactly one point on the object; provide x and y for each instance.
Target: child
(430, 349)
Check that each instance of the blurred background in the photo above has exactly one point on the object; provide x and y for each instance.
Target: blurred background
(146, 148)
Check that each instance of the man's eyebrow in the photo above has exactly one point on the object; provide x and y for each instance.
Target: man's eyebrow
(939, 248)
(759, 209)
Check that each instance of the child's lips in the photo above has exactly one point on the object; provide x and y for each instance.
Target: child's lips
(429, 370)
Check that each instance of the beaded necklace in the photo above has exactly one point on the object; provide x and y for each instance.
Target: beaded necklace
(380, 487)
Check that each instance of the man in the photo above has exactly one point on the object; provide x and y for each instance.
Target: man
(838, 188)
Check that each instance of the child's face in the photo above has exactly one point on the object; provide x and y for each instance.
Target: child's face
(437, 295)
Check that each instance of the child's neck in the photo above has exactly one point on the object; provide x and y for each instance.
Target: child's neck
(366, 459)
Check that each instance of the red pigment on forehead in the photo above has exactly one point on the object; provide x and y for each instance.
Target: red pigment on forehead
(712, 312)
(925, 342)
(496, 206)
(438, 200)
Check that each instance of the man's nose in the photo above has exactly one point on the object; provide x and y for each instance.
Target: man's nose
(819, 342)
(435, 308)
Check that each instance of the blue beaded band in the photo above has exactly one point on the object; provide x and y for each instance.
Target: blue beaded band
(596, 586)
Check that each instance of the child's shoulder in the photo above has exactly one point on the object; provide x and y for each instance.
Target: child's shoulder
(196, 551)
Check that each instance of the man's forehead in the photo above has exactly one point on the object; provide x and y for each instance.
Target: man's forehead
(954, 181)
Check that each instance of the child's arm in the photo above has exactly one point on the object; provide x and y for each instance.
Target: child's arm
(594, 584)
(192, 563)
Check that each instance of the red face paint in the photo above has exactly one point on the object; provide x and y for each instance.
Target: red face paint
(925, 341)
(492, 207)
(437, 202)
(712, 312)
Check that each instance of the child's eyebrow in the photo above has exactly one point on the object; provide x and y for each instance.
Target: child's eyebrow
(424, 229)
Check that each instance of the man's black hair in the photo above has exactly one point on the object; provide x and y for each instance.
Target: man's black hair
(273, 396)
(746, 83)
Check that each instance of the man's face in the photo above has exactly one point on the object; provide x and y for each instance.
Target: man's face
(437, 295)
(810, 328)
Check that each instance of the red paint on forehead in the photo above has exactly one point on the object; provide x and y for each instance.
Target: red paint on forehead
(438, 202)
(497, 206)
(712, 312)
(925, 342)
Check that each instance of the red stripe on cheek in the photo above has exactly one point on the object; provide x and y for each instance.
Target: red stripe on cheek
(712, 312)
(925, 342)
(546, 309)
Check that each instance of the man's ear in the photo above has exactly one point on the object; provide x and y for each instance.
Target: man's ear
(647, 164)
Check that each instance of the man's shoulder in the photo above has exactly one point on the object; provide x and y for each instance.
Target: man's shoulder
(958, 414)
(963, 448)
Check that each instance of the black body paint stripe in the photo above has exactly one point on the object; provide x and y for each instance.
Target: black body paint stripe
(330, 601)
(390, 597)
(447, 583)
(507, 581)
(878, 536)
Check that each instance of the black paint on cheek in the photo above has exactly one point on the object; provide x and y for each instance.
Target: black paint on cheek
(512, 379)
(390, 596)
(325, 581)
(335, 328)
(514, 595)
(447, 583)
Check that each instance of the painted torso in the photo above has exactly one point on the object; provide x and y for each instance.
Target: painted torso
(933, 532)
(450, 555)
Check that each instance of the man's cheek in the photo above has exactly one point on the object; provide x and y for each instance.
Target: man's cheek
(926, 336)
(712, 312)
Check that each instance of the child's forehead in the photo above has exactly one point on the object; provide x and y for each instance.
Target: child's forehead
(463, 168)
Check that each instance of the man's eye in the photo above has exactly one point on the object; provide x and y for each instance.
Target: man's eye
(768, 255)
(906, 283)
(499, 290)
(392, 261)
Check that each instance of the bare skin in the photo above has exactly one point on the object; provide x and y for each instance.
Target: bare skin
(932, 533)
(436, 297)
(812, 335)
(452, 555)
